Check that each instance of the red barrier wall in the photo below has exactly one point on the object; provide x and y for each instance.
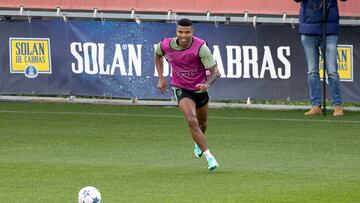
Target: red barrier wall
(272, 7)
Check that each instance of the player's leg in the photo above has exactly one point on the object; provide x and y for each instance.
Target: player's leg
(202, 108)
(201, 114)
(187, 107)
(202, 117)
(186, 101)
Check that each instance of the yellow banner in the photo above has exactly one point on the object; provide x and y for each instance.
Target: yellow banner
(30, 56)
(344, 61)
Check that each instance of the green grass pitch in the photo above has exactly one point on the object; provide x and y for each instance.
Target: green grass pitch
(49, 151)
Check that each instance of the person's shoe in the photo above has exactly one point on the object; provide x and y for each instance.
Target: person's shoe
(197, 151)
(212, 163)
(338, 111)
(315, 110)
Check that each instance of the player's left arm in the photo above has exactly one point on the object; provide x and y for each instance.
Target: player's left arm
(208, 61)
(214, 74)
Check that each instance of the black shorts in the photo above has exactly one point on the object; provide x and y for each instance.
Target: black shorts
(200, 99)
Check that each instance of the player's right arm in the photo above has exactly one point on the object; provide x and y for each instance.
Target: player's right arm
(158, 60)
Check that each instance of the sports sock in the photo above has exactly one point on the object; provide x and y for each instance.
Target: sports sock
(207, 154)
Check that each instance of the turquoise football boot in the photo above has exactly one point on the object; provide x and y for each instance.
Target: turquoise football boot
(212, 163)
(197, 151)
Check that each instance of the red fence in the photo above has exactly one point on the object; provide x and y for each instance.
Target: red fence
(272, 7)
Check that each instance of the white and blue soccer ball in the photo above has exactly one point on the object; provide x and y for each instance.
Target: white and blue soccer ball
(89, 194)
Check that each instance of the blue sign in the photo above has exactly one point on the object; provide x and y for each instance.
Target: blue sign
(115, 59)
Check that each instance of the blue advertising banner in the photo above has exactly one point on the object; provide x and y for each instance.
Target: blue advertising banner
(115, 59)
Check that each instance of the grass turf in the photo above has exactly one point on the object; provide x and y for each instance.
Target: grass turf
(144, 154)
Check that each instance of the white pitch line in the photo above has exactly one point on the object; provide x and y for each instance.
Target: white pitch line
(175, 116)
(286, 119)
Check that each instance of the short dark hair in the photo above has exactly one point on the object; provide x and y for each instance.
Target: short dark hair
(184, 22)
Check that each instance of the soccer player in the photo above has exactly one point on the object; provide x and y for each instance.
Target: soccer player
(189, 58)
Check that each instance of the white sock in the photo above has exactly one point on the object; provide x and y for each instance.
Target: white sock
(207, 154)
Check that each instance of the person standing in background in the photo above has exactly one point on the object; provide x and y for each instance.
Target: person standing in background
(311, 30)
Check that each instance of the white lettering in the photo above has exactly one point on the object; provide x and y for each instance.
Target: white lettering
(102, 70)
(231, 72)
(93, 53)
(286, 74)
(73, 48)
(134, 60)
(90, 59)
(250, 51)
(118, 61)
(268, 64)
(241, 61)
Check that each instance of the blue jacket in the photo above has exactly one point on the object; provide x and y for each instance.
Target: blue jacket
(311, 16)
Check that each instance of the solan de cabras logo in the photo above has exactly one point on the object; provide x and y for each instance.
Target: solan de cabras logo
(344, 61)
(30, 56)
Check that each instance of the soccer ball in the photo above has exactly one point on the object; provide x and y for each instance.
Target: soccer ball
(89, 194)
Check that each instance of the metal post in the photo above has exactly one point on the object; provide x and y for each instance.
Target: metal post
(324, 19)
